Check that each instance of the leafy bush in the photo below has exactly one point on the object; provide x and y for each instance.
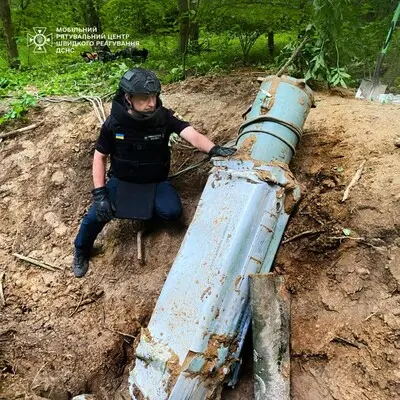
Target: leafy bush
(19, 108)
(315, 60)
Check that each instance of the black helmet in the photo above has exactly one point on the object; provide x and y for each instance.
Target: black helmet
(140, 81)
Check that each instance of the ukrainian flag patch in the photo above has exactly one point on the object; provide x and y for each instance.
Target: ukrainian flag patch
(119, 136)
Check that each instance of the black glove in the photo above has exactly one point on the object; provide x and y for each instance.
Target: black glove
(221, 151)
(104, 207)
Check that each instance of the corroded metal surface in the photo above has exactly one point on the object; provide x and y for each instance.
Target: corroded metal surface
(195, 335)
(270, 306)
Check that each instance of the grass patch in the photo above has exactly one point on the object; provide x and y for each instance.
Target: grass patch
(50, 74)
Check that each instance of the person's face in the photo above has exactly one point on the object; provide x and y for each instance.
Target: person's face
(143, 102)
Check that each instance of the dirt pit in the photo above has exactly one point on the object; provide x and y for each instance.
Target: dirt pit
(60, 336)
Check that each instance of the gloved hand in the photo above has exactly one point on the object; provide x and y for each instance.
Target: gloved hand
(221, 151)
(104, 207)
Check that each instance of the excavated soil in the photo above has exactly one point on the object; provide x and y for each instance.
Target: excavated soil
(60, 336)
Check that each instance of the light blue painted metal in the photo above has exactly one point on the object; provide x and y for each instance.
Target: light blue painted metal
(196, 332)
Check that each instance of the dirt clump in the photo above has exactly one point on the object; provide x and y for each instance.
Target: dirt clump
(62, 335)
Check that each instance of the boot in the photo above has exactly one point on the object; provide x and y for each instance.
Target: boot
(81, 263)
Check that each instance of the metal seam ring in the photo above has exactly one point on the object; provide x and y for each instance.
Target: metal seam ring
(267, 133)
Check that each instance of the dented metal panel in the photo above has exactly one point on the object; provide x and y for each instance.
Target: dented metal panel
(196, 332)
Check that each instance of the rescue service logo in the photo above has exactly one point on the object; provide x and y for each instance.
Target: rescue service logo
(65, 40)
(39, 40)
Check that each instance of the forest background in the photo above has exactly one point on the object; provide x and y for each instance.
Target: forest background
(185, 38)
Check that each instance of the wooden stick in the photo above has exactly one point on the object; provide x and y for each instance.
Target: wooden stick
(345, 237)
(339, 339)
(293, 56)
(35, 262)
(120, 333)
(20, 130)
(355, 179)
(185, 146)
(300, 235)
(3, 301)
(54, 266)
(183, 163)
(89, 300)
(371, 315)
(139, 247)
(44, 263)
(196, 165)
(76, 308)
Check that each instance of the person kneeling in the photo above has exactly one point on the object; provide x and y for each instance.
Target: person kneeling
(135, 136)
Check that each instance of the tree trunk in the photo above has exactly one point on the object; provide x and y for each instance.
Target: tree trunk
(92, 16)
(12, 50)
(271, 43)
(184, 26)
(194, 34)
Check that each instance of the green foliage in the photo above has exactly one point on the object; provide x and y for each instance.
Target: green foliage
(349, 35)
(342, 46)
(344, 41)
(138, 17)
(45, 13)
(19, 108)
(312, 64)
(248, 20)
(72, 79)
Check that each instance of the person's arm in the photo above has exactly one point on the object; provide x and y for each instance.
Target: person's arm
(196, 139)
(99, 169)
(104, 146)
(204, 144)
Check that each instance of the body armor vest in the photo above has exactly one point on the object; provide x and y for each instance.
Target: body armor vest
(141, 147)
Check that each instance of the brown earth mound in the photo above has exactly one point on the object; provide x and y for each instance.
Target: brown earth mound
(60, 336)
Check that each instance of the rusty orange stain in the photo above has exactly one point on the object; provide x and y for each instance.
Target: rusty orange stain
(237, 282)
(255, 259)
(207, 291)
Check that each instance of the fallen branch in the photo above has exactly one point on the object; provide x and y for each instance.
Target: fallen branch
(193, 166)
(186, 146)
(355, 179)
(371, 315)
(92, 298)
(345, 341)
(302, 234)
(20, 130)
(293, 56)
(76, 308)
(184, 162)
(345, 237)
(36, 262)
(3, 301)
(120, 333)
(362, 240)
(231, 143)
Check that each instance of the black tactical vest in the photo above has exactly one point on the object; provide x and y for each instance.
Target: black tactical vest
(141, 147)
